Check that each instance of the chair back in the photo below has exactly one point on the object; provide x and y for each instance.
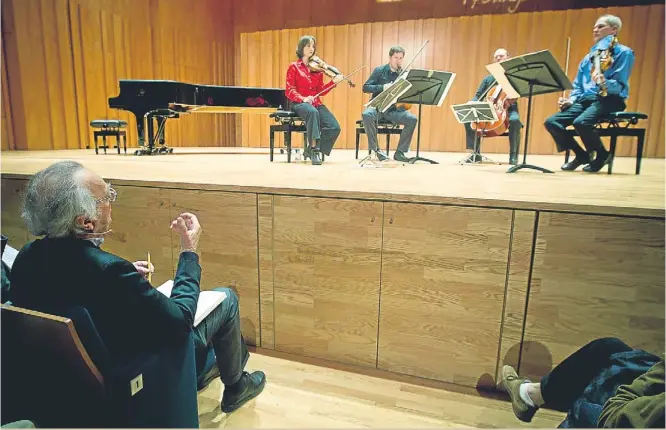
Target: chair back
(47, 373)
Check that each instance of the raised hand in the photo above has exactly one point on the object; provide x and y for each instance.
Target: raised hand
(188, 227)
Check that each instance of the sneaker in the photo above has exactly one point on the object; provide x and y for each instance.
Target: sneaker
(315, 157)
(252, 384)
(511, 384)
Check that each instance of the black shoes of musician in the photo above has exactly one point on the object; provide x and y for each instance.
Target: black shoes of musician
(574, 164)
(599, 162)
(400, 156)
(247, 388)
(381, 156)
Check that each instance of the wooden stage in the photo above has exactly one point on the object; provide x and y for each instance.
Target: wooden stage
(443, 272)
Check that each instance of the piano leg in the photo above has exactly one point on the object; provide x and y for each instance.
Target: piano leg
(141, 133)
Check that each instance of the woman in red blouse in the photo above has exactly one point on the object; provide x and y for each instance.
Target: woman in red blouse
(302, 85)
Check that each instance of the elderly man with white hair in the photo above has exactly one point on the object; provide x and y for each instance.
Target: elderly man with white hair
(71, 207)
(514, 117)
(595, 94)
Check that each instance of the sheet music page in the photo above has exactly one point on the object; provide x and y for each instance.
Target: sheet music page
(9, 255)
(208, 300)
(497, 71)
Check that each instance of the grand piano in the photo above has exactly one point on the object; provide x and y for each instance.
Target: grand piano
(151, 100)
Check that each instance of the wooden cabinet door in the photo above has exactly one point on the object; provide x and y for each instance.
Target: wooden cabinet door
(443, 284)
(326, 257)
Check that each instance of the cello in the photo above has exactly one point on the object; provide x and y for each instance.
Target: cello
(498, 98)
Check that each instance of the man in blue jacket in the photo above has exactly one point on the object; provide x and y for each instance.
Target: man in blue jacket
(71, 207)
(380, 79)
(595, 94)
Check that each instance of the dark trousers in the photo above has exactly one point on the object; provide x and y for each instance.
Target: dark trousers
(583, 115)
(321, 125)
(222, 328)
(397, 116)
(515, 127)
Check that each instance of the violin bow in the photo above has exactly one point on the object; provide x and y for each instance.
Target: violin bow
(404, 70)
(566, 66)
(343, 79)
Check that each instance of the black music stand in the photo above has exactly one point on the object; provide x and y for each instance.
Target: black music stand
(531, 75)
(429, 87)
(475, 112)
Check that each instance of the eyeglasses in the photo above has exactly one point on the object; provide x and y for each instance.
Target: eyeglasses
(113, 195)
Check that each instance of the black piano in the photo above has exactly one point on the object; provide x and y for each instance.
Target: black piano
(151, 101)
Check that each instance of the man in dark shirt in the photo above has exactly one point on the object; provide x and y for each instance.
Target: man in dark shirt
(71, 207)
(380, 79)
(514, 118)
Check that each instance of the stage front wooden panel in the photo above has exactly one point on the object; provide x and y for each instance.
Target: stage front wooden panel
(443, 277)
(13, 225)
(227, 248)
(594, 276)
(140, 223)
(326, 256)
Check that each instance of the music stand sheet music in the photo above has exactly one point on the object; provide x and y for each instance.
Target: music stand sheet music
(434, 85)
(497, 70)
(474, 112)
(389, 96)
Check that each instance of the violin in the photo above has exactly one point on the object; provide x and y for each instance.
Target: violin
(501, 103)
(603, 59)
(316, 64)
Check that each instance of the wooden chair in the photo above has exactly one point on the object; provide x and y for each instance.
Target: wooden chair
(615, 125)
(383, 127)
(57, 372)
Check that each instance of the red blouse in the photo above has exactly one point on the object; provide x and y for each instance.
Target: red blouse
(301, 83)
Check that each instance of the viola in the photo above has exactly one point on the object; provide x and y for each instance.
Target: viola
(602, 59)
(498, 98)
(317, 65)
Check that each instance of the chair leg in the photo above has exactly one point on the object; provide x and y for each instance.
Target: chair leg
(388, 143)
(96, 147)
(272, 143)
(358, 141)
(125, 142)
(639, 152)
(613, 144)
(118, 143)
(287, 143)
(104, 143)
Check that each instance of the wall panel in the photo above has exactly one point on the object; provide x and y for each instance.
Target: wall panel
(463, 45)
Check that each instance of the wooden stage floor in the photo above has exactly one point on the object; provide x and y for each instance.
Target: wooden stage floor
(488, 185)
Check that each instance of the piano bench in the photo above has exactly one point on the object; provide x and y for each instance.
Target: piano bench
(109, 127)
(383, 127)
(287, 122)
(619, 124)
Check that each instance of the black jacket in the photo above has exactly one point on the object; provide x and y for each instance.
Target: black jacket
(380, 76)
(130, 315)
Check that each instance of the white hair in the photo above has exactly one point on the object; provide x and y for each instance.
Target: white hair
(612, 20)
(54, 198)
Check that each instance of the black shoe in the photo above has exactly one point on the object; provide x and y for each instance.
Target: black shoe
(599, 162)
(573, 164)
(381, 156)
(213, 373)
(400, 156)
(251, 386)
(315, 157)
